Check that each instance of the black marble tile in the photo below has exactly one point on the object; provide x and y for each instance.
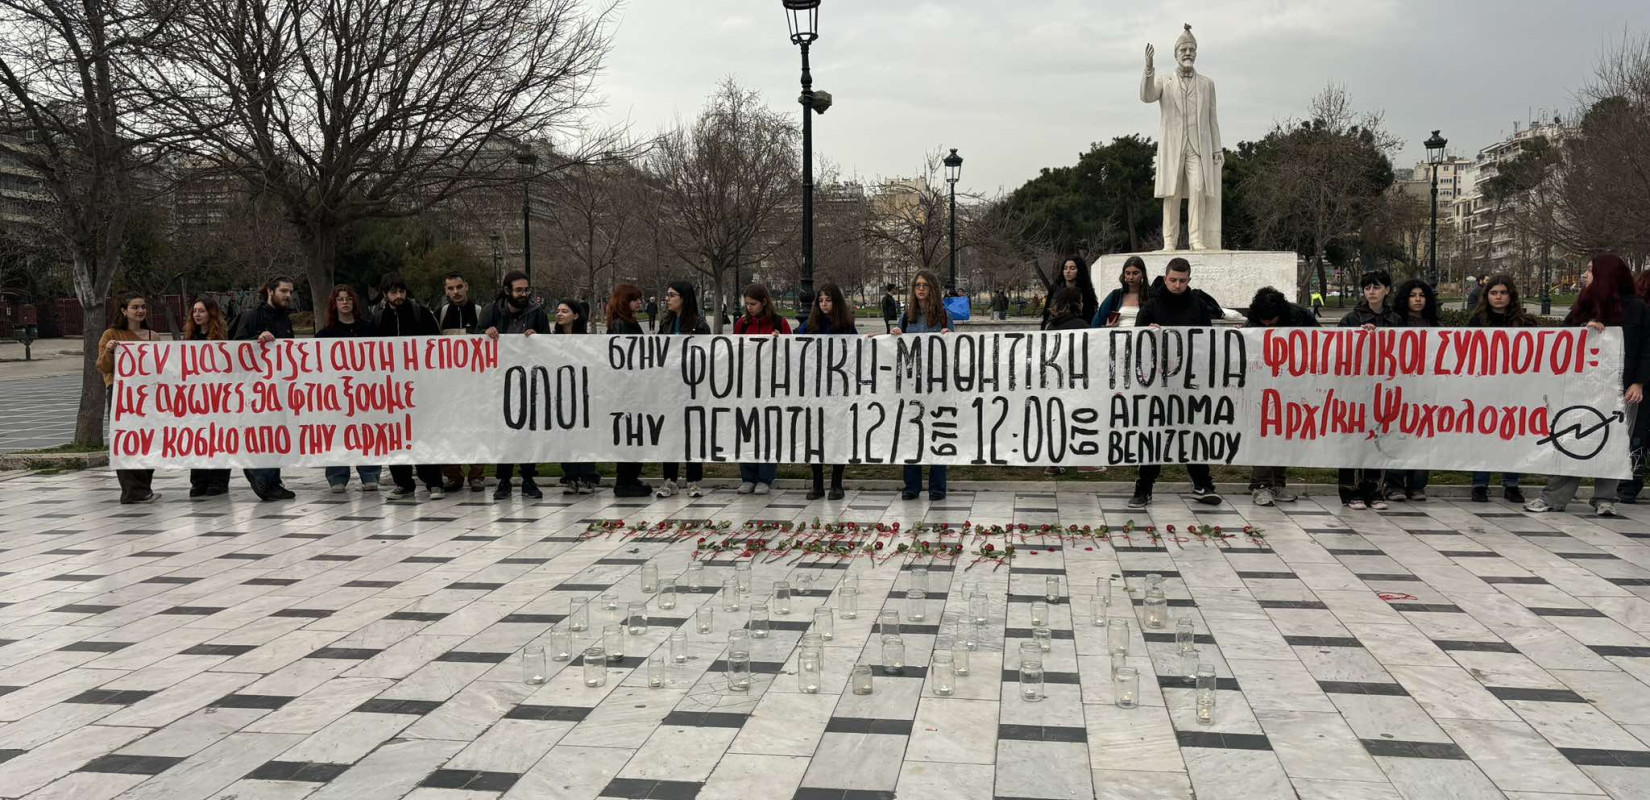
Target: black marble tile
(218, 650)
(386, 706)
(646, 789)
(1474, 647)
(471, 780)
(1224, 741)
(109, 697)
(1361, 687)
(1042, 733)
(346, 653)
(1606, 758)
(268, 702)
(130, 765)
(552, 713)
(301, 771)
(705, 719)
(1536, 695)
(890, 727)
(1395, 748)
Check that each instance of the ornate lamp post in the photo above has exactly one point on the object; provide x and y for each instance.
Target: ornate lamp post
(1435, 156)
(528, 160)
(803, 18)
(953, 171)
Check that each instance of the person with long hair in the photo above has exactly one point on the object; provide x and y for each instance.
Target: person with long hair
(1608, 301)
(130, 323)
(271, 319)
(1123, 304)
(1065, 311)
(1074, 274)
(682, 318)
(1418, 304)
(829, 315)
(1499, 307)
(345, 318)
(206, 324)
(515, 312)
(1270, 309)
(760, 319)
(1360, 488)
(622, 308)
(572, 318)
(924, 313)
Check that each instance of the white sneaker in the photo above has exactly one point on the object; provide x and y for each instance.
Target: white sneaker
(763, 488)
(1538, 506)
(666, 489)
(1605, 508)
(369, 487)
(746, 488)
(1262, 496)
(337, 488)
(437, 493)
(693, 490)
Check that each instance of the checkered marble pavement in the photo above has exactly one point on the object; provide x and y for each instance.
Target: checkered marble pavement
(340, 646)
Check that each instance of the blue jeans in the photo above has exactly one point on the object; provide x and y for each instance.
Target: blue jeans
(339, 476)
(936, 478)
(758, 473)
(1483, 479)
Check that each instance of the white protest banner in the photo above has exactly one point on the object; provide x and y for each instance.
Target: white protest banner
(1534, 400)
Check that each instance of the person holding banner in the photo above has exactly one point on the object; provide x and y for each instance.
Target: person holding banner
(760, 319)
(1419, 306)
(264, 323)
(401, 315)
(830, 315)
(206, 323)
(1074, 274)
(130, 323)
(622, 309)
(682, 317)
(516, 313)
(1499, 307)
(578, 478)
(1123, 304)
(1270, 309)
(1175, 304)
(1607, 301)
(342, 322)
(1360, 488)
(924, 313)
(458, 315)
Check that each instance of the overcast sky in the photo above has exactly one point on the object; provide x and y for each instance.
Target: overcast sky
(1017, 85)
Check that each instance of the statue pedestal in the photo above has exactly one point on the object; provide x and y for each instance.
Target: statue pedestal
(1230, 276)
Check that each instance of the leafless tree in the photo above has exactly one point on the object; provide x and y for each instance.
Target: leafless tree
(726, 184)
(357, 109)
(1315, 180)
(70, 115)
(1598, 192)
(593, 220)
(911, 219)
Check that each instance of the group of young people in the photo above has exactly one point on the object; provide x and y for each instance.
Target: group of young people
(1609, 298)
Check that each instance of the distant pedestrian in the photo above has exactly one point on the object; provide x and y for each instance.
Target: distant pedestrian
(652, 314)
(890, 308)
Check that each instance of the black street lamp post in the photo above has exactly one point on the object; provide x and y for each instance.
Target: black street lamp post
(803, 19)
(528, 160)
(1435, 156)
(953, 171)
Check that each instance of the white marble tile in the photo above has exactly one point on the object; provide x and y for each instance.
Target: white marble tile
(391, 770)
(1516, 758)
(740, 776)
(200, 776)
(51, 761)
(921, 780)
(952, 730)
(1236, 774)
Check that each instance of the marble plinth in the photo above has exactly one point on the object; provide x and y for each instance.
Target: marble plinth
(1231, 276)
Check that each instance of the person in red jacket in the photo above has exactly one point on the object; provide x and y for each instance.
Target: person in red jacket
(761, 319)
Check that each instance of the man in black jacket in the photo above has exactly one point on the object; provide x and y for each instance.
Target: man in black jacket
(890, 308)
(515, 312)
(1270, 309)
(458, 315)
(403, 316)
(1174, 303)
(268, 321)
